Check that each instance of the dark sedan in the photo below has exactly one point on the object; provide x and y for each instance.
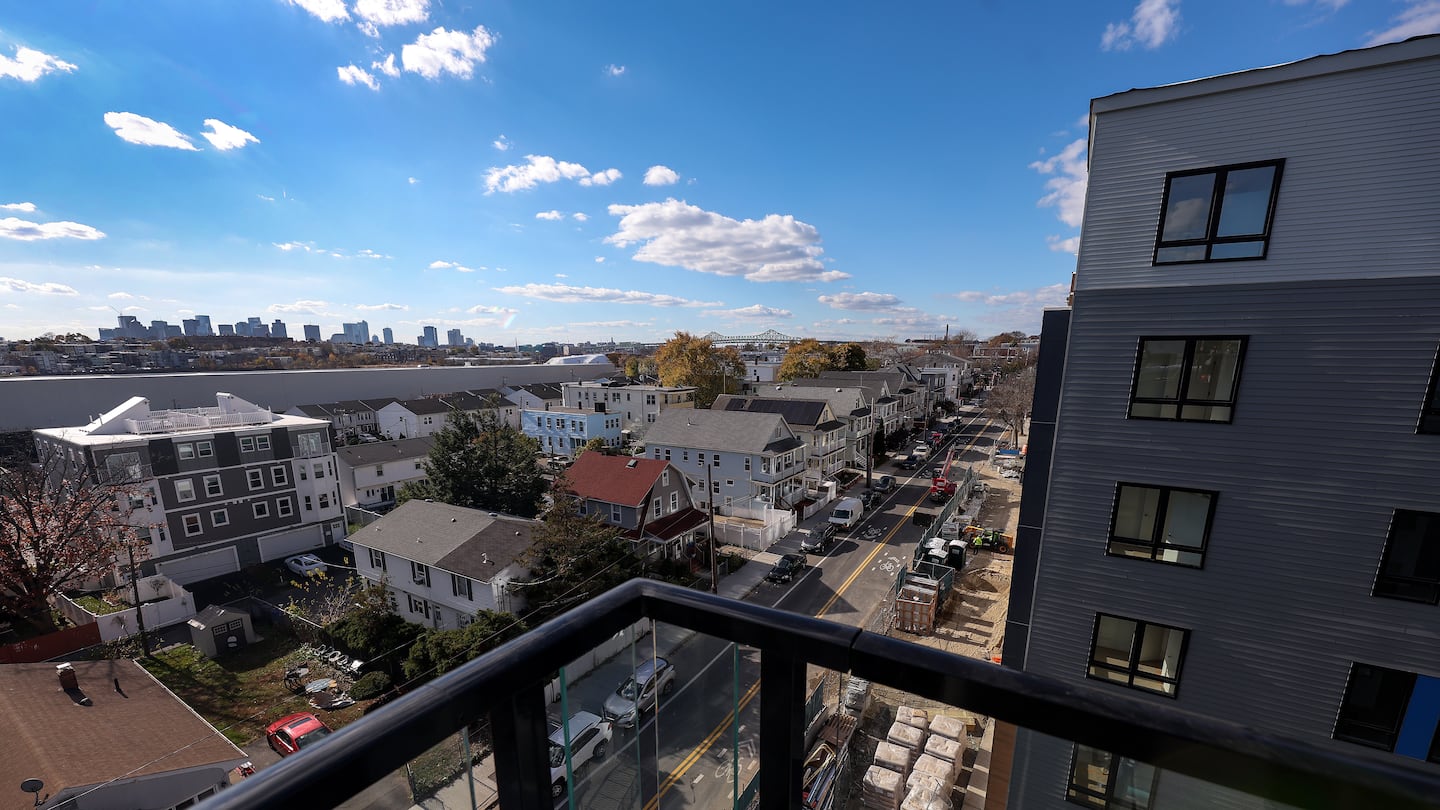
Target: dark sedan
(789, 567)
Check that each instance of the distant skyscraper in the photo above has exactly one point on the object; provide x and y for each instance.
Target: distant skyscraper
(259, 330)
(242, 328)
(356, 332)
(277, 329)
(191, 327)
(431, 338)
(389, 335)
(226, 330)
(453, 338)
(312, 332)
(202, 326)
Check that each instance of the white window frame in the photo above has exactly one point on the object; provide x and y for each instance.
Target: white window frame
(255, 479)
(198, 527)
(420, 574)
(184, 490)
(260, 509)
(262, 443)
(324, 500)
(185, 451)
(247, 444)
(674, 501)
(284, 507)
(219, 487)
(281, 475)
(377, 559)
(224, 515)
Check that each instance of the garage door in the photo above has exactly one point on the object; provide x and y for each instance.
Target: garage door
(275, 546)
(204, 565)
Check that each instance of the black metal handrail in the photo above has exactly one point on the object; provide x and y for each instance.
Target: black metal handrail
(507, 685)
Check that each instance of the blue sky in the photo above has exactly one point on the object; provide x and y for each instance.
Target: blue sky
(531, 171)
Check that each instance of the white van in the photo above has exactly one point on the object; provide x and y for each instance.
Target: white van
(847, 512)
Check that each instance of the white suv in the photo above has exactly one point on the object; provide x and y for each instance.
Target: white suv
(589, 737)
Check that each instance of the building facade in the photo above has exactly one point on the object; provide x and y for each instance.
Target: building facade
(1231, 504)
(564, 431)
(648, 498)
(372, 473)
(812, 421)
(639, 404)
(732, 458)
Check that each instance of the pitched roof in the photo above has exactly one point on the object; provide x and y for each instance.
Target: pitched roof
(845, 400)
(357, 455)
(143, 730)
(614, 479)
(545, 391)
(733, 431)
(796, 412)
(464, 541)
(671, 526)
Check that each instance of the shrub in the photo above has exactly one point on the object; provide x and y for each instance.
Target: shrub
(370, 685)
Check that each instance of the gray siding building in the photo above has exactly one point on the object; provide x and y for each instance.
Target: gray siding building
(1231, 504)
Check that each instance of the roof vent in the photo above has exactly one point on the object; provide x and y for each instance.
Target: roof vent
(631, 464)
(494, 514)
(452, 520)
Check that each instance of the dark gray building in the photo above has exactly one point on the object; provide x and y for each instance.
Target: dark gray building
(1231, 503)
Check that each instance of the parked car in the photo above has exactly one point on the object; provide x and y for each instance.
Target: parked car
(789, 567)
(907, 462)
(921, 452)
(640, 692)
(869, 498)
(291, 733)
(820, 538)
(589, 739)
(306, 565)
(885, 483)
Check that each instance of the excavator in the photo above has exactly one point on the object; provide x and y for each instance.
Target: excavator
(942, 488)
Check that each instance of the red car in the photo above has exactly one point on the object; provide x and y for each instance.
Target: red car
(289, 734)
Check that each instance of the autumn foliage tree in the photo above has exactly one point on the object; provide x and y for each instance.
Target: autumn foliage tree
(810, 357)
(1011, 399)
(60, 524)
(690, 360)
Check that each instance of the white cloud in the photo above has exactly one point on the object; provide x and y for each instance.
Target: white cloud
(485, 309)
(289, 246)
(502, 143)
(1070, 245)
(306, 307)
(864, 300)
(615, 70)
(757, 312)
(1067, 186)
(1421, 17)
(392, 12)
(1334, 5)
(121, 296)
(1022, 309)
(30, 64)
(541, 169)
(443, 51)
(579, 216)
(599, 259)
(134, 309)
(147, 132)
(326, 10)
(27, 207)
(456, 266)
(661, 176)
(224, 137)
(562, 275)
(24, 230)
(1152, 24)
(550, 215)
(601, 178)
(354, 75)
(387, 67)
(677, 234)
(381, 307)
(568, 294)
(367, 253)
(440, 265)
(266, 198)
(43, 288)
(412, 180)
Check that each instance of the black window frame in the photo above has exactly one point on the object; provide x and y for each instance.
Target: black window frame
(1387, 585)
(1081, 794)
(1217, 197)
(1430, 412)
(1157, 544)
(1349, 735)
(1181, 401)
(462, 586)
(1132, 669)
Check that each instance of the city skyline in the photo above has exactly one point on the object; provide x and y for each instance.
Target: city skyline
(530, 176)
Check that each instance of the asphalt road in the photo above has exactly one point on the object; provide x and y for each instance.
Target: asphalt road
(680, 756)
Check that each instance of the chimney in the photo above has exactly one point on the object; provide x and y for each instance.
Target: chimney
(68, 680)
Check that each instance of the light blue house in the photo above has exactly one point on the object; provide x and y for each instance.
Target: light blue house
(563, 431)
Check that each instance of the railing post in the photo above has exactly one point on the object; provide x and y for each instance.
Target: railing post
(522, 751)
(782, 728)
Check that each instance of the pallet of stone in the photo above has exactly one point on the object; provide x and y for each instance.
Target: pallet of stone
(935, 766)
(920, 798)
(882, 788)
(929, 782)
(945, 748)
(918, 718)
(908, 736)
(897, 758)
(948, 726)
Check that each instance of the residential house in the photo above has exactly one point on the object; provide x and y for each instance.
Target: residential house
(1197, 535)
(219, 488)
(371, 473)
(811, 420)
(534, 396)
(105, 735)
(426, 416)
(732, 458)
(849, 404)
(564, 431)
(442, 563)
(944, 375)
(912, 398)
(648, 498)
(639, 403)
(352, 419)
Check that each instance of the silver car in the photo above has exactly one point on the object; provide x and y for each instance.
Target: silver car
(640, 692)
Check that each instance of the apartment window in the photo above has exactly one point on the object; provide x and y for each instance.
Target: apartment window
(419, 465)
(185, 451)
(1430, 416)
(1187, 379)
(655, 506)
(137, 502)
(665, 477)
(261, 509)
(747, 464)
(1410, 569)
(420, 573)
(204, 449)
(1102, 780)
(729, 482)
(615, 513)
(324, 500)
(124, 468)
(377, 559)
(667, 454)
(379, 470)
(1211, 215)
(657, 453)
(255, 478)
(284, 507)
(674, 501)
(1161, 524)
(309, 444)
(715, 461)
(460, 586)
(418, 605)
(319, 471)
(220, 517)
(281, 475)
(1137, 654)
(184, 490)
(247, 444)
(701, 460)
(192, 525)
(715, 487)
(308, 506)
(212, 486)
(1374, 706)
(304, 475)
(649, 417)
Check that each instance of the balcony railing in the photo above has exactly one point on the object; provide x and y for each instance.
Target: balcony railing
(507, 686)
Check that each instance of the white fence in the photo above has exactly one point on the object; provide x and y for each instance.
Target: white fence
(172, 604)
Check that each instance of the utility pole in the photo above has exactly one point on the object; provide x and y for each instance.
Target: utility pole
(710, 500)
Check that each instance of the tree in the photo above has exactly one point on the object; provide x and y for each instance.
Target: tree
(438, 651)
(479, 462)
(573, 557)
(372, 630)
(1011, 399)
(60, 524)
(878, 446)
(810, 357)
(689, 360)
(597, 443)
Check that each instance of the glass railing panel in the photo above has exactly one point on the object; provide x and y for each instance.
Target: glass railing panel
(459, 771)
